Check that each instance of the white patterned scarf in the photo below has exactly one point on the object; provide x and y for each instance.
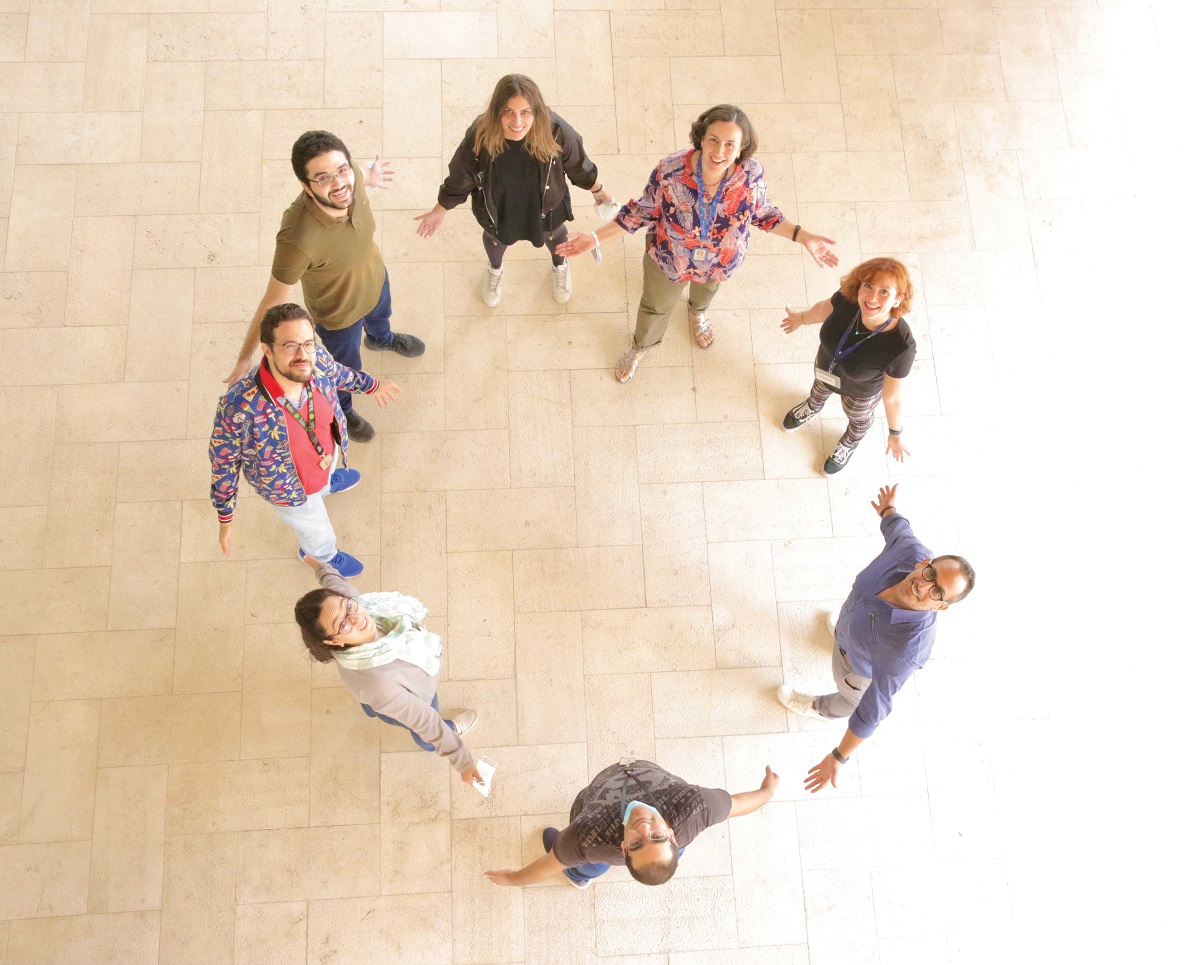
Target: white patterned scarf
(398, 618)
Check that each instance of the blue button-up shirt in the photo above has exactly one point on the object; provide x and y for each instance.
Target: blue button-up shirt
(884, 642)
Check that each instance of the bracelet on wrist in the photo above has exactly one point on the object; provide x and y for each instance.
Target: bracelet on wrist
(883, 510)
(795, 233)
(837, 756)
(894, 432)
(596, 189)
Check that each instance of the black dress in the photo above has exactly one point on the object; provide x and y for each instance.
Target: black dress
(517, 194)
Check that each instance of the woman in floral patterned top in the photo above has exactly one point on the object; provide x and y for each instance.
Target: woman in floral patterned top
(699, 205)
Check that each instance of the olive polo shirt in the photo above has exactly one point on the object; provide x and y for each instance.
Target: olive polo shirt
(335, 260)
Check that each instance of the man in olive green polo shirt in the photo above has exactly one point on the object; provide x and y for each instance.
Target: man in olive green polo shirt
(326, 241)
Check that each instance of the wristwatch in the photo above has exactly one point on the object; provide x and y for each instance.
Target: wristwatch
(837, 756)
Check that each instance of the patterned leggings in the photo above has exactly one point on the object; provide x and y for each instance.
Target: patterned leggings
(860, 412)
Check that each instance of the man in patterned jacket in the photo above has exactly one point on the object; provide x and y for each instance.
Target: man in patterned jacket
(639, 813)
(281, 426)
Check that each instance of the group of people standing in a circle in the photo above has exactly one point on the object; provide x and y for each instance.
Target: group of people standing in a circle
(698, 206)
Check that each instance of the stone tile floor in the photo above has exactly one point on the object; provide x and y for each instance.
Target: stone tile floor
(617, 570)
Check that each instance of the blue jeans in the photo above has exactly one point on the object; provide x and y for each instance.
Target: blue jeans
(345, 344)
(586, 872)
(370, 712)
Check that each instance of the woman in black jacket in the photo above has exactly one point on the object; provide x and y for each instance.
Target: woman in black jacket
(514, 162)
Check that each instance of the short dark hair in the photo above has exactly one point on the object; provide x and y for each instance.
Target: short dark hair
(726, 112)
(276, 315)
(313, 144)
(968, 572)
(658, 873)
(308, 616)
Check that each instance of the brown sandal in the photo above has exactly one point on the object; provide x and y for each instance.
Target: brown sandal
(702, 331)
(627, 364)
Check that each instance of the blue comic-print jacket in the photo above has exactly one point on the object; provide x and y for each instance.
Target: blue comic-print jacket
(250, 436)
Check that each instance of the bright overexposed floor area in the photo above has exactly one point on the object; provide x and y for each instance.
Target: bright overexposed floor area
(616, 570)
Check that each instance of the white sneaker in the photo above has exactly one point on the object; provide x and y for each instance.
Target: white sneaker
(560, 277)
(798, 703)
(831, 624)
(491, 287)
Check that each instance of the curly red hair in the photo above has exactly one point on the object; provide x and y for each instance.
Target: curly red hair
(868, 271)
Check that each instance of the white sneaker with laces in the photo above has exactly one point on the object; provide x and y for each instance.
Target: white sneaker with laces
(491, 287)
(560, 276)
(798, 703)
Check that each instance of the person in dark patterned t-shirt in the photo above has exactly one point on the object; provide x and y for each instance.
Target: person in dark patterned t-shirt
(639, 813)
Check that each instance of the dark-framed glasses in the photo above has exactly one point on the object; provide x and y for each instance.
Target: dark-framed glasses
(929, 575)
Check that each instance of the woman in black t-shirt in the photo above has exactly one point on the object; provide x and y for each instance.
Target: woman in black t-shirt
(866, 351)
(514, 162)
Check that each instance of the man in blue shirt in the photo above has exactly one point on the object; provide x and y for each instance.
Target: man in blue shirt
(884, 633)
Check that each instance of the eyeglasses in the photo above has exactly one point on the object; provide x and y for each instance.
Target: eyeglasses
(929, 575)
(342, 173)
(347, 623)
(295, 348)
(639, 840)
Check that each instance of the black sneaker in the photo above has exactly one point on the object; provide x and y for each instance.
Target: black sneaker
(360, 429)
(407, 345)
(797, 416)
(837, 459)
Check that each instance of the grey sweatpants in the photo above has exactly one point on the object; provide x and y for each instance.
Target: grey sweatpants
(850, 688)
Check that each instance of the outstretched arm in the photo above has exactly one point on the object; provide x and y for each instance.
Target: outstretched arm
(826, 772)
(545, 867)
(893, 406)
(748, 801)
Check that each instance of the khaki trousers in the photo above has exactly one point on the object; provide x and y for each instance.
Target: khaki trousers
(660, 295)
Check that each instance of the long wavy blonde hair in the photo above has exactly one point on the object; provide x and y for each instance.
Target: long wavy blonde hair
(489, 133)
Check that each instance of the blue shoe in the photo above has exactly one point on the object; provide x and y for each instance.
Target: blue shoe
(343, 479)
(344, 563)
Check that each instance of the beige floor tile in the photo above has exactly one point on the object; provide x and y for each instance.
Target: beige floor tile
(631, 918)
(60, 771)
(115, 69)
(159, 338)
(550, 682)
(414, 807)
(766, 509)
(170, 730)
(55, 601)
(539, 417)
(10, 807)
(12, 46)
(450, 33)
(207, 36)
(412, 119)
(68, 356)
(145, 560)
(559, 925)
(41, 87)
(312, 863)
(127, 839)
(40, 216)
(98, 286)
(23, 537)
(529, 778)
(173, 118)
(274, 658)
(270, 934)
(675, 545)
(724, 374)
(653, 395)
(413, 531)
(345, 761)
(195, 241)
(620, 718)
(273, 586)
(703, 451)
(505, 519)
(754, 79)
(275, 723)
(131, 937)
(229, 165)
(606, 486)
(412, 928)
(476, 379)
(810, 69)
(588, 578)
(109, 137)
(645, 123)
(45, 879)
(354, 61)
(851, 176)
(489, 922)
(33, 435)
(743, 609)
(914, 225)
(798, 576)
(582, 77)
(886, 32)
(841, 928)
(481, 615)
(271, 85)
(33, 299)
(965, 31)
(208, 638)
(525, 28)
(766, 875)
(199, 887)
(643, 27)
(697, 702)
(1011, 126)
(246, 795)
(78, 666)
(948, 77)
(429, 461)
(82, 507)
(646, 641)
(935, 170)
(57, 30)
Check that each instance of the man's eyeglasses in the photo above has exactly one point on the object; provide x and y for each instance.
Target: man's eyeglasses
(347, 623)
(929, 575)
(295, 348)
(637, 840)
(342, 174)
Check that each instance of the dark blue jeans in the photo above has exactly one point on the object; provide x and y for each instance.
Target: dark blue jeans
(345, 344)
(370, 712)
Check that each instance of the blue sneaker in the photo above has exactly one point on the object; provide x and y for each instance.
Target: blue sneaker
(343, 479)
(344, 563)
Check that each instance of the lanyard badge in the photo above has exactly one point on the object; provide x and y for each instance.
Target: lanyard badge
(309, 422)
(843, 352)
(706, 212)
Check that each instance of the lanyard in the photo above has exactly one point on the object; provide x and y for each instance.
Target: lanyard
(706, 212)
(642, 785)
(309, 422)
(842, 352)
